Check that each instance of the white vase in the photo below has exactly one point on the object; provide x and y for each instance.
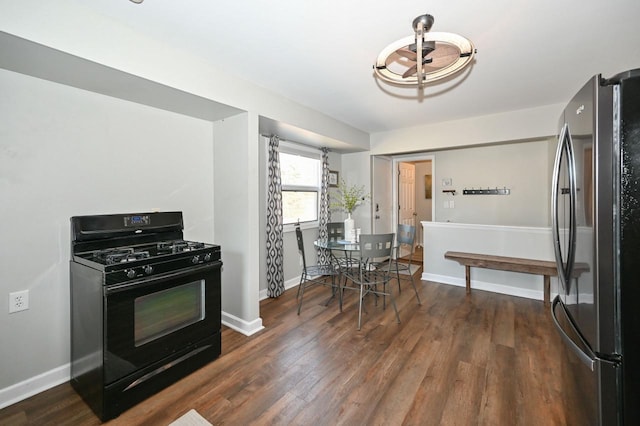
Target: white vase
(349, 229)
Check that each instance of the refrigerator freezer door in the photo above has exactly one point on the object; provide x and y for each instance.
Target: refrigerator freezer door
(580, 370)
(590, 386)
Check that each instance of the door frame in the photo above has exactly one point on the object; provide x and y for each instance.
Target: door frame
(409, 158)
(388, 226)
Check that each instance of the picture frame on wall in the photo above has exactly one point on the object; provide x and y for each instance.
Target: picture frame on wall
(333, 178)
(427, 187)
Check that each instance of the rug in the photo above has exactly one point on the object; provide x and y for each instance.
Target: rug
(191, 418)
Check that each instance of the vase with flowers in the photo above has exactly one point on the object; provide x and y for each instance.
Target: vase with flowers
(346, 198)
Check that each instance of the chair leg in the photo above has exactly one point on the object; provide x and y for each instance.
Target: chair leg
(395, 308)
(398, 275)
(299, 285)
(360, 306)
(333, 291)
(339, 290)
(301, 291)
(414, 287)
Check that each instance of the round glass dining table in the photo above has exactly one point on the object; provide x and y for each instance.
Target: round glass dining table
(341, 245)
(349, 259)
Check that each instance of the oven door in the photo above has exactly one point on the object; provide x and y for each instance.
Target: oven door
(153, 320)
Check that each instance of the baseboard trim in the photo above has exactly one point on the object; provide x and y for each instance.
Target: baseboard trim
(247, 328)
(34, 385)
(47, 380)
(481, 285)
(293, 282)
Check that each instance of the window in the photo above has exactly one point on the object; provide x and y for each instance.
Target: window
(300, 186)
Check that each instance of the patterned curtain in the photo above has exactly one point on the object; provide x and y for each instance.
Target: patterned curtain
(275, 272)
(324, 216)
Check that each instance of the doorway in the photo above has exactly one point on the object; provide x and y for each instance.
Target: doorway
(386, 205)
(413, 197)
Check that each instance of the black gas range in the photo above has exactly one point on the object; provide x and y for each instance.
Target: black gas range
(145, 307)
(131, 247)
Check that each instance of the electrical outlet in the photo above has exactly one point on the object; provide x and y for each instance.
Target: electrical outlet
(18, 301)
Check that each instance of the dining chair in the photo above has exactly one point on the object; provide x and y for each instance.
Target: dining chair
(335, 233)
(406, 237)
(316, 274)
(371, 277)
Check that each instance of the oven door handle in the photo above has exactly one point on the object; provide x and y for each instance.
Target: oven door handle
(147, 281)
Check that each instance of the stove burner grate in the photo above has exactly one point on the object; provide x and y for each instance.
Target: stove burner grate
(120, 255)
(167, 247)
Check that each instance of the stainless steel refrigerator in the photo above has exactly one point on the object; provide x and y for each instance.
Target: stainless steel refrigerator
(596, 233)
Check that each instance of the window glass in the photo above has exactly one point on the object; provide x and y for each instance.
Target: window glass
(300, 187)
(297, 170)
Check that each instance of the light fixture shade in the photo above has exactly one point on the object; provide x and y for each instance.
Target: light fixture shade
(452, 53)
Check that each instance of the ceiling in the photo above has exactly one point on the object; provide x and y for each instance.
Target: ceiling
(320, 54)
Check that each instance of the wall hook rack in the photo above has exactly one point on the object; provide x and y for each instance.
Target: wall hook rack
(449, 191)
(488, 191)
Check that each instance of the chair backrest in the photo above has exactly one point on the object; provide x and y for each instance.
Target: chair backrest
(335, 231)
(376, 245)
(301, 246)
(406, 235)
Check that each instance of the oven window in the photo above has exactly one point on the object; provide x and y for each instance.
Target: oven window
(158, 314)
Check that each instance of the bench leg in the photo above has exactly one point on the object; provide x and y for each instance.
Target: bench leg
(547, 289)
(467, 277)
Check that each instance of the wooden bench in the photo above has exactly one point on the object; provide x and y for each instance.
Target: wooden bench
(546, 268)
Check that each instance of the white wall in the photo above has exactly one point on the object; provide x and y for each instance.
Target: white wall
(67, 26)
(66, 152)
(533, 123)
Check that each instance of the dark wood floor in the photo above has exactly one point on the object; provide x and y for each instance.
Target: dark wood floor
(416, 257)
(458, 359)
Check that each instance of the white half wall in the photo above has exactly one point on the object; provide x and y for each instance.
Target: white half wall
(526, 242)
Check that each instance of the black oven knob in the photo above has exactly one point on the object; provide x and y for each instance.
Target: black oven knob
(131, 273)
(195, 259)
(207, 257)
(148, 269)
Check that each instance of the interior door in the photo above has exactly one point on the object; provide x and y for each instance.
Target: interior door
(406, 194)
(381, 195)
(406, 197)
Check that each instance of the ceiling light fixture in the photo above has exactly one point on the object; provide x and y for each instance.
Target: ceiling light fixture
(440, 55)
(136, 1)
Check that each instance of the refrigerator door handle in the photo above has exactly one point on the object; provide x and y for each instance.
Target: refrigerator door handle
(565, 144)
(587, 359)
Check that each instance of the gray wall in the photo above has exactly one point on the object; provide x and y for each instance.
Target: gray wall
(423, 205)
(292, 264)
(66, 152)
(236, 184)
(522, 167)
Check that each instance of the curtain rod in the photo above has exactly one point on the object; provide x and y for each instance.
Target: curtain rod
(295, 143)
